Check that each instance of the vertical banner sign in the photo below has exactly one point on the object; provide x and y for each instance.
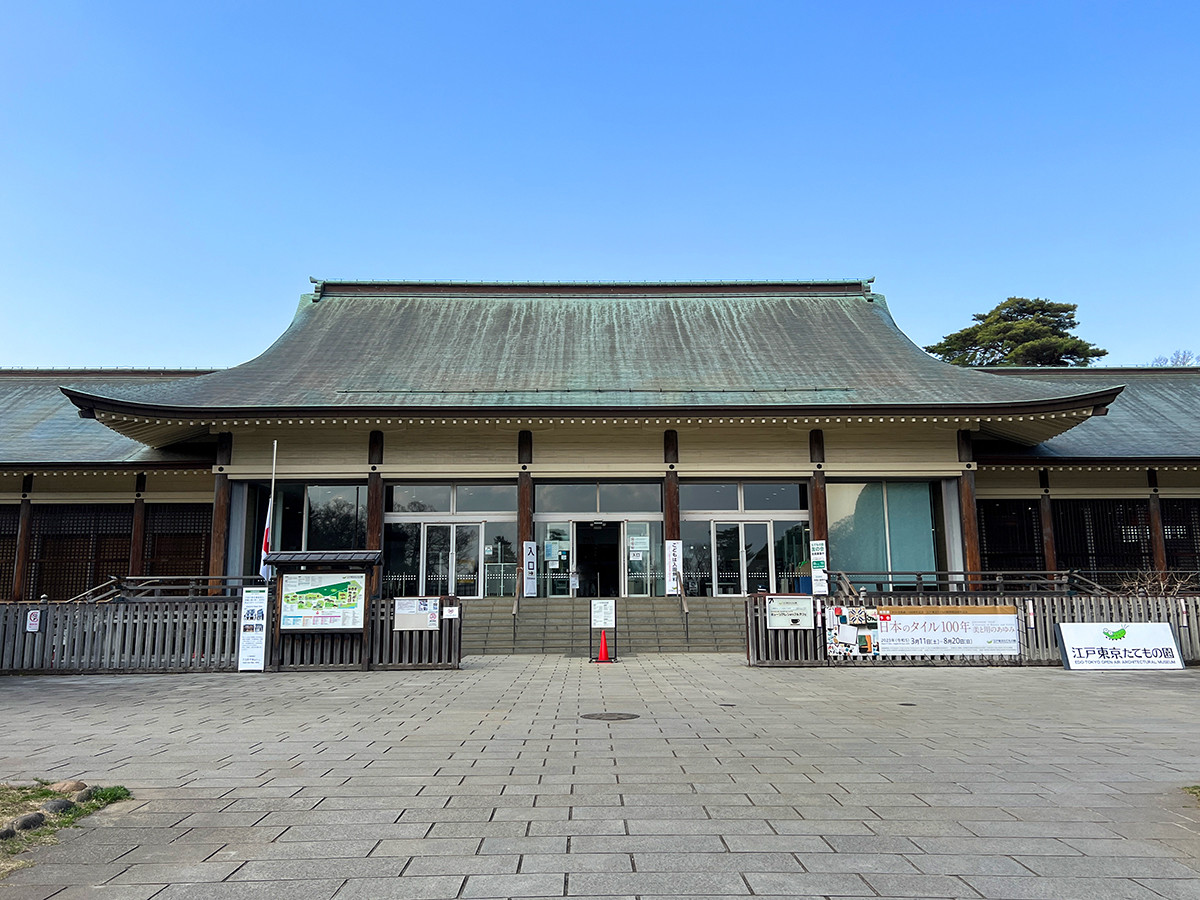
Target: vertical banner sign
(252, 645)
(674, 567)
(818, 552)
(529, 565)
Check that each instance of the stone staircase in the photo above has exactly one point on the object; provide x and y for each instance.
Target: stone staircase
(559, 625)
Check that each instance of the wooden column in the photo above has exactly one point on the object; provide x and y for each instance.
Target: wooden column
(24, 538)
(967, 512)
(671, 485)
(1046, 514)
(137, 537)
(374, 508)
(818, 508)
(1158, 534)
(219, 548)
(524, 490)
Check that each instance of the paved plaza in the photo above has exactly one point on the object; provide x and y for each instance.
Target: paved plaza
(487, 782)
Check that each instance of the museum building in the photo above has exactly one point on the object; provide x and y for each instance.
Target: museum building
(447, 423)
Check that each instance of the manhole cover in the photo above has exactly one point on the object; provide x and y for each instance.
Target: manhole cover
(609, 717)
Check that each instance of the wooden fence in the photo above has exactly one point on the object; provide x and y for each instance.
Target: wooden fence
(1036, 618)
(201, 635)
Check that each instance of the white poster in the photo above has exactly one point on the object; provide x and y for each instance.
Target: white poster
(33, 620)
(790, 612)
(674, 563)
(252, 636)
(820, 581)
(417, 614)
(324, 602)
(1118, 646)
(949, 631)
(604, 613)
(639, 542)
(529, 566)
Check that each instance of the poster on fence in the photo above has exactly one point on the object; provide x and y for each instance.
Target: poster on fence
(325, 602)
(1117, 646)
(949, 631)
(794, 611)
(417, 614)
(252, 635)
(852, 632)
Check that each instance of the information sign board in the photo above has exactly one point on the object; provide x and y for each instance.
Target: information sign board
(818, 555)
(323, 602)
(949, 631)
(604, 613)
(529, 563)
(252, 636)
(1114, 646)
(674, 563)
(33, 620)
(790, 612)
(417, 614)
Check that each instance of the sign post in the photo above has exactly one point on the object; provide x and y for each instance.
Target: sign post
(604, 615)
(818, 553)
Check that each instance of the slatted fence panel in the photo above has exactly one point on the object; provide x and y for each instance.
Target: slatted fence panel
(782, 647)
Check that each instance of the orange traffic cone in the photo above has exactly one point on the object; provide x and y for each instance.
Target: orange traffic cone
(603, 657)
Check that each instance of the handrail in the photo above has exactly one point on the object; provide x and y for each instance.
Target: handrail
(100, 593)
(684, 609)
(516, 609)
(949, 581)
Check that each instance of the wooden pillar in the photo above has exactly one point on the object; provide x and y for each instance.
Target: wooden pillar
(24, 538)
(967, 512)
(374, 509)
(1046, 514)
(137, 537)
(219, 548)
(524, 489)
(671, 485)
(1158, 534)
(818, 508)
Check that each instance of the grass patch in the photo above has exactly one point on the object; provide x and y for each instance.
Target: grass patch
(1194, 790)
(17, 800)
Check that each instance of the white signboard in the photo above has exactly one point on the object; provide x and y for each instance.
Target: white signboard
(252, 636)
(639, 542)
(674, 563)
(820, 581)
(949, 631)
(33, 620)
(450, 612)
(574, 581)
(417, 614)
(323, 602)
(1117, 646)
(790, 612)
(529, 566)
(604, 613)
(818, 554)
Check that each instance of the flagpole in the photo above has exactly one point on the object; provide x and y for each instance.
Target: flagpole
(264, 570)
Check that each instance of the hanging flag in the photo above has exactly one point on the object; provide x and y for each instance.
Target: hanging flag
(265, 570)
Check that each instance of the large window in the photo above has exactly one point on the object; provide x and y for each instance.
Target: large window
(1010, 536)
(882, 526)
(744, 537)
(603, 497)
(1103, 538)
(446, 538)
(320, 517)
(1181, 527)
(76, 546)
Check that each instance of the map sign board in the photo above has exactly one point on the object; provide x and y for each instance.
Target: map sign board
(949, 631)
(1115, 646)
(418, 614)
(793, 611)
(252, 636)
(323, 602)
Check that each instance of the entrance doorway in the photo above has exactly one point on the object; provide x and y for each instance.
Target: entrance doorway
(598, 558)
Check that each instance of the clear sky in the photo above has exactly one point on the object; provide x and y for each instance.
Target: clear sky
(172, 173)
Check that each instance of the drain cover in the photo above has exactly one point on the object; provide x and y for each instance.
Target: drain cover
(908, 704)
(609, 717)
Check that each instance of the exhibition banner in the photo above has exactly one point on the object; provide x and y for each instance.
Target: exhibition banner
(1113, 646)
(948, 631)
(252, 636)
(323, 602)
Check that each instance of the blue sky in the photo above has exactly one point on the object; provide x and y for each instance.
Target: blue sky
(172, 173)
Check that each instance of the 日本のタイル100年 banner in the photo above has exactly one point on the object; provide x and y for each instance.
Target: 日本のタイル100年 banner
(948, 631)
(323, 602)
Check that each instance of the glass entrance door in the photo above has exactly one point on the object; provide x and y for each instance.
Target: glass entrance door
(598, 558)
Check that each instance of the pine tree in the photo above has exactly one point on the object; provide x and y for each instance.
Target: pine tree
(1019, 332)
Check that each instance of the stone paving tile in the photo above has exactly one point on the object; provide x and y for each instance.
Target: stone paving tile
(292, 850)
(530, 885)
(809, 885)
(926, 886)
(858, 863)
(675, 884)
(1000, 887)
(494, 864)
